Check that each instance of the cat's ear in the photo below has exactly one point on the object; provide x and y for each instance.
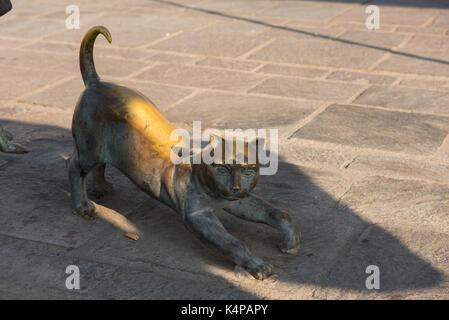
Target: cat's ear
(260, 142)
(216, 140)
(180, 154)
(254, 145)
(212, 152)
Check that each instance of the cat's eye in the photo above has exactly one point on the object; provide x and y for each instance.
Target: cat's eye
(249, 172)
(221, 170)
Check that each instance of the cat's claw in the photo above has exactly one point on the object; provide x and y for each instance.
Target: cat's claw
(85, 210)
(259, 270)
(291, 244)
(13, 148)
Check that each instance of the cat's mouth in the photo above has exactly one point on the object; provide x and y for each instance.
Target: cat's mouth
(235, 195)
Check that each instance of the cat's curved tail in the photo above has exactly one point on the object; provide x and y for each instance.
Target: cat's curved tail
(87, 65)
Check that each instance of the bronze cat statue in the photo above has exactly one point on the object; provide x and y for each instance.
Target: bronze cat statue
(116, 125)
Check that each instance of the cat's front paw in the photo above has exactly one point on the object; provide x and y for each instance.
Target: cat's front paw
(259, 269)
(14, 148)
(291, 243)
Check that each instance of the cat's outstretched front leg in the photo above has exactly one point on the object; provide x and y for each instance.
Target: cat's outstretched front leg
(255, 209)
(206, 226)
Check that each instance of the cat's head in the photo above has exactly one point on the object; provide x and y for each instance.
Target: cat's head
(235, 170)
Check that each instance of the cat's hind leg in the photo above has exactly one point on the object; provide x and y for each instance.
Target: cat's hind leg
(101, 187)
(206, 226)
(81, 205)
(255, 209)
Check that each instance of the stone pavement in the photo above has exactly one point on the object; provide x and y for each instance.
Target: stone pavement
(363, 117)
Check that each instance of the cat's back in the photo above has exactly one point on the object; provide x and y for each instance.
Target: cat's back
(109, 104)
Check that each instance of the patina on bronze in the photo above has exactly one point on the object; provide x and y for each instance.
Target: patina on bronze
(116, 125)
(5, 136)
(6, 145)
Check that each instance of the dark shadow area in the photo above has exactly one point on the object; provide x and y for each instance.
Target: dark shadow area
(337, 244)
(312, 34)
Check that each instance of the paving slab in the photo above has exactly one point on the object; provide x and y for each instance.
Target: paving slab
(374, 38)
(173, 58)
(442, 20)
(232, 111)
(229, 64)
(19, 115)
(199, 77)
(39, 272)
(400, 167)
(417, 100)
(422, 30)
(426, 84)
(362, 78)
(417, 62)
(388, 202)
(403, 274)
(206, 43)
(22, 81)
(301, 187)
(149, 285)
(234, 27)
(315, 155)
(428, 43)
(360, 26)
(318, 53)
(125, 36)
(66, 94)
(378, 129)
(307, 89)
(302, 32)
(33, 60)
(293, 71)
(12, 43)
